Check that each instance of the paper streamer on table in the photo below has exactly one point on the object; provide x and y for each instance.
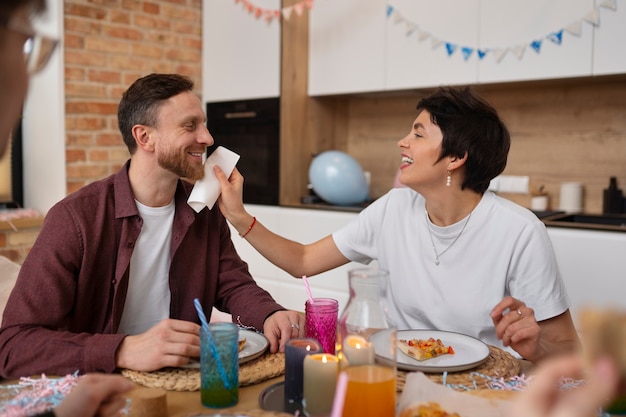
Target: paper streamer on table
(206, 190)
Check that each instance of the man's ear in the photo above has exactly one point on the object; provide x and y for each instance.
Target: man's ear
(142, 135)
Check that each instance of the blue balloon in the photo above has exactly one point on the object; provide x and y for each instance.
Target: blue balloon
(338, 178)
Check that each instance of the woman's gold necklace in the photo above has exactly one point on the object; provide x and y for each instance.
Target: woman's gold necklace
(432, 241)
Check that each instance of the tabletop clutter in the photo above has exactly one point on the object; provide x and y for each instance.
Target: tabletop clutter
(346, 365)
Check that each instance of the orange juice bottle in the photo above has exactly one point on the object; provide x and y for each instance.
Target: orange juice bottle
(371, 391)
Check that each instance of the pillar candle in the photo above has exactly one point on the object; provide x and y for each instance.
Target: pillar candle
(295, 351)
(358, 351)
(320, 379)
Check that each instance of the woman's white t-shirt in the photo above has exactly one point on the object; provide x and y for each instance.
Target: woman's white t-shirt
(503, 250)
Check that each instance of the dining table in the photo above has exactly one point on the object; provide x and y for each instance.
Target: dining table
(253, 395)
(182, 398)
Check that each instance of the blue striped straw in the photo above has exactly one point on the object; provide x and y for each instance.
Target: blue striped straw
(205, 326)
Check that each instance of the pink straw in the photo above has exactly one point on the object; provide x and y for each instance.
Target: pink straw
(308, 288)
(340, 395)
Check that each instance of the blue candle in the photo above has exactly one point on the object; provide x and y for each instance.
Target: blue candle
(295, 351)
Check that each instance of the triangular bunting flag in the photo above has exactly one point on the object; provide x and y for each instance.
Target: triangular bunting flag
(258, 12)
(450, 47)
(268, 16)
(575, 28)
(467, 52)
(389, 10)
(299, 8)
(410, 28)
(499, 53)
(609, 4)
(309, 4)
(593, 17)
(481, 53)
(536, 45)
(436, 43)
(398, 18)
(287, 12)
(556, 37)
(519, 51)
(422, 35)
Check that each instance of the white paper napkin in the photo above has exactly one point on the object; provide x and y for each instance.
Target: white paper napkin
(419, 389)
(206, 190)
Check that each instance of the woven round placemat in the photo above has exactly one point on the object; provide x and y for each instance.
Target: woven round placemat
(253, 413)
(499, 364)
(258, 370)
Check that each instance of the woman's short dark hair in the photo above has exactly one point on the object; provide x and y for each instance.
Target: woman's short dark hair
(141, 102)
(469, 124)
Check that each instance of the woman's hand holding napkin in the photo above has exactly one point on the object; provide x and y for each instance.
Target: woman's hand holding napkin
(206, 190)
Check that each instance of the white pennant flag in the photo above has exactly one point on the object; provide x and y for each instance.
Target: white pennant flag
(575, 28)
(410, 28)
(609, 4)
(287, 12)
(436, 43)
(398, 18)
(593, 17)
(519, 51)
(499, 53)
(422, 35)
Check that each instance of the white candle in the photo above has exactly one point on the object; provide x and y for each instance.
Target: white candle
(320, 379)
(358, 351)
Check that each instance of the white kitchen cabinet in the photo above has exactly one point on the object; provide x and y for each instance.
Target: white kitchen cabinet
(414, 63)
(304, 226)
(593, 267)
(508, 23)
(240, 53)
(346, 46)
(609, 50)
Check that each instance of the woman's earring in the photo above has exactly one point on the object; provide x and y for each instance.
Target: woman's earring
(448, 180)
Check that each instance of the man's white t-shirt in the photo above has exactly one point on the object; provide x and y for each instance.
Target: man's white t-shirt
(148, 297)
(503, 250)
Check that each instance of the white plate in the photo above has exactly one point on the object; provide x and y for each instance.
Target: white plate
(469, 352)
(256, 345)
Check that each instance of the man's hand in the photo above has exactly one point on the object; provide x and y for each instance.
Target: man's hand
(282, 326)
(169, 343)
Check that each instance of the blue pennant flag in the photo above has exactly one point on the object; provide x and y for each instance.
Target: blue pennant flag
(467, 52)
(536, 45)
(450, 47)
(389, 10)
(481, 53)
(556, 37)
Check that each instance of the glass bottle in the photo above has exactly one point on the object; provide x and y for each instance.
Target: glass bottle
(366, 346)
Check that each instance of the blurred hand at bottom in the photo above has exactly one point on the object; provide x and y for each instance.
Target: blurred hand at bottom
(544, 398)
(95, 395)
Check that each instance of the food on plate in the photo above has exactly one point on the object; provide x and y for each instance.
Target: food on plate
(242, 343)
(422, 349)
(431, 409)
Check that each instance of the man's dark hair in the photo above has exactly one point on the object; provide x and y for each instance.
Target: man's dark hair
(141, 102)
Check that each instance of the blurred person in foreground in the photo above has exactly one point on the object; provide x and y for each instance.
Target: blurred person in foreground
(545, 398)
(94, 394)
(460, 258)
(111, 280)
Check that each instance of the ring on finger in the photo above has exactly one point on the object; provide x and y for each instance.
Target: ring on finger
(519, 312)
(295, 326)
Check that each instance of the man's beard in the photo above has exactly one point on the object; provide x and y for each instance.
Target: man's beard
(180, 166)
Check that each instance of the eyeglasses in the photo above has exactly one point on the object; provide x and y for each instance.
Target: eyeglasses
(38, 48)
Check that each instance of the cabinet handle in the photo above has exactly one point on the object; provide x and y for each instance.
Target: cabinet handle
(241, 115)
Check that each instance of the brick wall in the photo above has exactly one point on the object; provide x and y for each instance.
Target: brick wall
(108, 44)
